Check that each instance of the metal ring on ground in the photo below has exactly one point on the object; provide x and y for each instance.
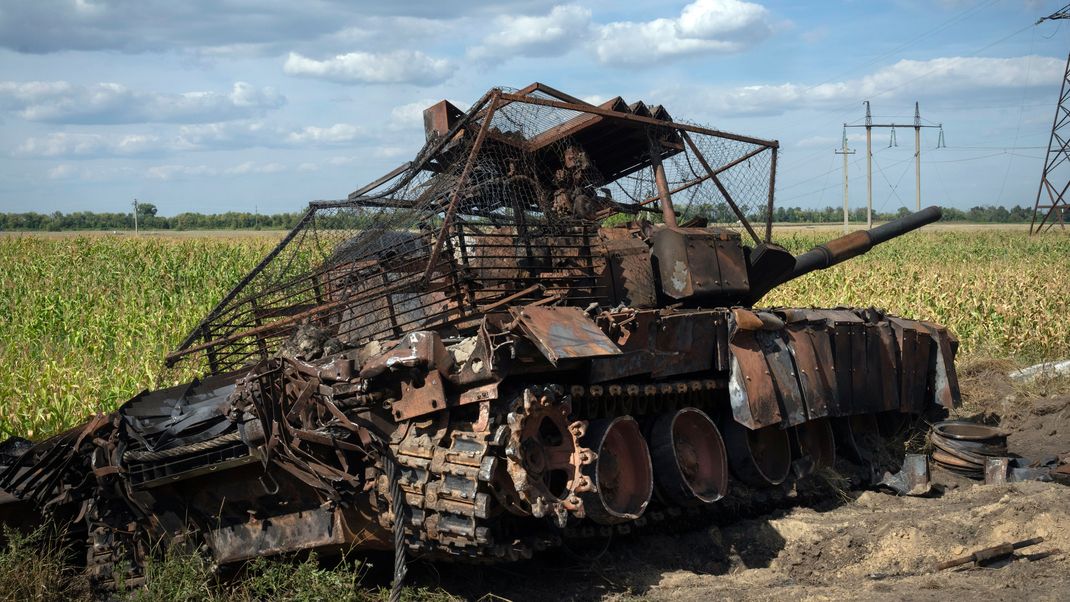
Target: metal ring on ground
(965, 447)
(760, 457)
(968, 431)
(622, 473)
(814, 438)
(690, 460)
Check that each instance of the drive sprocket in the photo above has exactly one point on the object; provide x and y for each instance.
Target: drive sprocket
(544, 457)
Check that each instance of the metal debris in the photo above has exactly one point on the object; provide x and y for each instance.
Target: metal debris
(964, 447)
(913, 479)
(991, 554)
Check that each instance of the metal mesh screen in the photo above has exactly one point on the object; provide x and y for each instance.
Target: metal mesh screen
(489, 214)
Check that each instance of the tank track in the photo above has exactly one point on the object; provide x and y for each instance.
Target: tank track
(456, 511)
(449, 501)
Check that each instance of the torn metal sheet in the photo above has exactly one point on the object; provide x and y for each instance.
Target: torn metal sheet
(912, 479)
(564, 333)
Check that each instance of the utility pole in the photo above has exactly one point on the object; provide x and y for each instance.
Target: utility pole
(1058, 154)
(869, 125)
(917, 156)
(135, 216)
(845, 151)
(869, 168)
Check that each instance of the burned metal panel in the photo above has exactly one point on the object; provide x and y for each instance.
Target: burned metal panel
(782, 368)
(422, 395)
(750, 386)
(815, 378)
(631, 273)
(564, 333)
(863, 398)
(733, 267)
(694, 263)
(752, 390)
(880, 372)
(887, 357)
(684, 343)
(634, 334)
(841, 347)
(944, 381)
(316, 528)
(915, 350)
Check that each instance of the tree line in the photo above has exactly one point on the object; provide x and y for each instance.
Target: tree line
(984, 214)
(148, 219)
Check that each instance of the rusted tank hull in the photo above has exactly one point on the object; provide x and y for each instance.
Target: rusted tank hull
(462, 361)
(294, 455)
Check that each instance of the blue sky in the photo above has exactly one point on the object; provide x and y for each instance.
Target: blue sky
(242, 105)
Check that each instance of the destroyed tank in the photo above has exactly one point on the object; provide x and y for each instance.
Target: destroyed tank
(546, 325)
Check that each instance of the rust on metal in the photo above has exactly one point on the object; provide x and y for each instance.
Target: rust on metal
(463, 360)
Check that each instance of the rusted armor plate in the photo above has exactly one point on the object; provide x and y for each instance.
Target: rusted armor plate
(782, 369)
(945, 382)
(564, 333)
(887, 358)
(633, 333)
(751, 387)
(419, 397)
(310, 529)
(630, 274)
(814, 371)
(915, 346)
(684, 343)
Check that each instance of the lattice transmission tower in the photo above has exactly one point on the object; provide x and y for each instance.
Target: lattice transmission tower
(1055, 180)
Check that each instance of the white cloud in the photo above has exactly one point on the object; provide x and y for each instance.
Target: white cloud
(337, 133)
(943, 77)
(170, 172)
(210, 136)
(704, 26)
(62, 172)
(174, 172)
(391, 152)
(64, 144)
(250, 167)
(111, 103)
(200, 26)
(400, 66)
(553, 34)
(410, 114)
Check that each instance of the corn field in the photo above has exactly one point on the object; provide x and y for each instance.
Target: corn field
(85, 321)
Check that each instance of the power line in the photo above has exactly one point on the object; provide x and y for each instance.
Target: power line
(1021, 112)
(1057, 154)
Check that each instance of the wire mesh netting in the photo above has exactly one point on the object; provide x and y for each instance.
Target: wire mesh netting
(489, 214)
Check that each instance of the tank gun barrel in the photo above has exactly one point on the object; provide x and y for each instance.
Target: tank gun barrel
(854, 244)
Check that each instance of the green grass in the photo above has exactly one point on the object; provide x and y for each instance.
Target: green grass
(35, 567)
